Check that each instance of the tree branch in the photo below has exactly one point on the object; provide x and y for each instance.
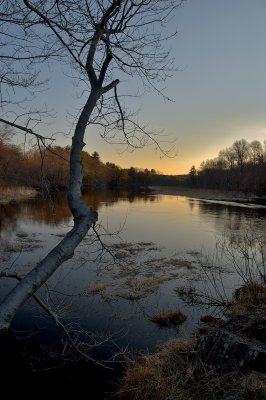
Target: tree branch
(27, 130)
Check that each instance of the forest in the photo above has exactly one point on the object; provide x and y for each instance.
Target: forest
(239, 167)
(48, 168)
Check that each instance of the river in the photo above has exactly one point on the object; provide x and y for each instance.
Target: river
(151, 247)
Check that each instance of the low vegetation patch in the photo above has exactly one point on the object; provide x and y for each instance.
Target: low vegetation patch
(146, 284)
(8, 194)
(176, 372)
(20, 247)
(95, 288)
(140, 287)
(248, 298)
(169, 318)
(156, 376)
(226, 359)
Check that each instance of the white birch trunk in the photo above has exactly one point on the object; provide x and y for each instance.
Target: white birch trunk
(84, 218)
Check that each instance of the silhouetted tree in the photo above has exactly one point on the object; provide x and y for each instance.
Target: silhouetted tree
(241, 150)
(256, 152)
(100, 39)
(239, 167)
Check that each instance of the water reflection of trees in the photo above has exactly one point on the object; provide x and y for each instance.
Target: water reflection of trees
(8, 216)
(191, 203)
(54, 209)
(233, 218)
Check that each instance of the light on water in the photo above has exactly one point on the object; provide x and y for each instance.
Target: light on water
(159, 242)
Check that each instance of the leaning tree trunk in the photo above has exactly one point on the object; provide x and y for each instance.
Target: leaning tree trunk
(84, 218)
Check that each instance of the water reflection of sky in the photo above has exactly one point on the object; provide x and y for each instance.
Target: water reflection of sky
(172, 220)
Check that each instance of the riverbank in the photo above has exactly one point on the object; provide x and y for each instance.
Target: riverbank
(224, 360)
(210, 194)
(19, 193)
(9, 194)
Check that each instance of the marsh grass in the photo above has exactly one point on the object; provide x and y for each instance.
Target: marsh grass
(244, 259)
(8, 194)
(22, 246)
(169, 318)
(22, 235)
(248, 298)
(134, 277)
(254, 386)
(155, 376)
(139, 288)
(139, 269)
(97, 288)
(102, 289)
(175, 372)
(145, 285)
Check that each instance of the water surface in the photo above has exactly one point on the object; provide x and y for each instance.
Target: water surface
(157, 241)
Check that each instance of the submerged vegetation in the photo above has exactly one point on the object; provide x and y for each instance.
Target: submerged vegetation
(248, 298)
(225, 359)
(169, 318)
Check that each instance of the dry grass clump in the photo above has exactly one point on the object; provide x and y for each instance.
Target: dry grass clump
(22, 235)
(254, 386)
(16, 193)
(169, 318)
(29, 245)
(128, 248)
(145, 285)
(95, 288)
(13, 248)
(98, 288)
(175, 372)
(154, 377)
(248, 297)
(140, 287)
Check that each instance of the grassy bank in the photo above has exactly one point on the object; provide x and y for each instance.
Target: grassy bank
(180, 371)
(8, 194)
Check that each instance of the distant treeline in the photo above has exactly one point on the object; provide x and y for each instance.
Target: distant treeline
(49, 168)
(239, 167)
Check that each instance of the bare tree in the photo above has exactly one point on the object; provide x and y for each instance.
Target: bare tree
(228, 157)
(101, 39)
(23, 51)
(241, 150)
(255, 152)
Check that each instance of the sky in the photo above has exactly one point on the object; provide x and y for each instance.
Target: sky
(219, 93)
